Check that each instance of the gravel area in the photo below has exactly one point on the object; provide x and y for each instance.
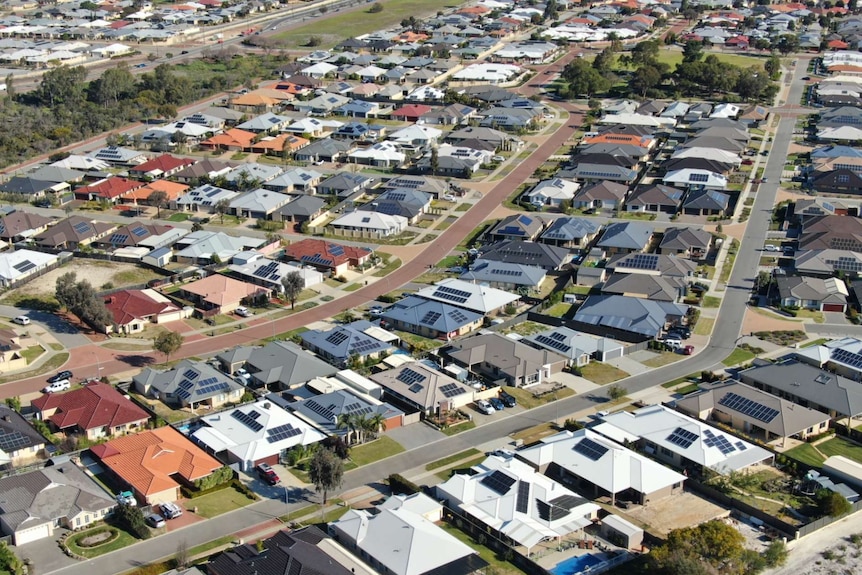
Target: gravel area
(825, 552)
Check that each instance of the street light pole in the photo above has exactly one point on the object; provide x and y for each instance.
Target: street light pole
(98, 367)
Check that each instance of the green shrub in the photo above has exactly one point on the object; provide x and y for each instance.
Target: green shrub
(215, 478)
(400, 484)
(131, 519)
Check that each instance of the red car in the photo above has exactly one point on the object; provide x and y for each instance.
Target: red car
(266, 474)
(688, 350)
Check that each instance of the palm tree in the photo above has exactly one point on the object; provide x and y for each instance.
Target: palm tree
(350, 422)
(375, 424)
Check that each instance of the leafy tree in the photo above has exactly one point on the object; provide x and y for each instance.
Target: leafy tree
(168, 343)
(221, 208)
(158, 199)
(13, 403)
(773, 66)
(293, 285)
(776, 554)
(645, 52)
(692, 51)
(616, 392)
(314, 40)
(81, 299)
(645, 78)
(435, 161)
(710, 548)
(63, 85)
(113, 85)
(131, 519)
(197, 226)
(787, 43)
(603, 61)
(181, 557)
(832, 503)
(376, 8)
(583, 79)
(326, 471)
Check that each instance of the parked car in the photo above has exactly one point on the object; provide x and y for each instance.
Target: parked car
(688, 350)
(770, 248)
(22, 320)
(171, 510)
(498, 159)
(127, 498)
(679, 333)
(155, 520)
(496, 403)
(243, 312)
(672, 343)
(57, 386)
(449, 198)
(375, 311)
(65, 374)
(484, 407)
(267, 474)
(508, 399)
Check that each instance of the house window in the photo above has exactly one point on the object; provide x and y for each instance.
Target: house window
(77, 522)
(843, 178)
(666, 452)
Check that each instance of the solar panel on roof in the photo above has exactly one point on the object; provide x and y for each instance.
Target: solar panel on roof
(682, 437)
(498, 481)
(458, 316)
(450, 390)
(416, 388)
(337, 338)
(451, 294)
(430, 318)
(590, 449)
(320, 409)
(552, 343)
(247, 419)
(183, 394)
(139, 231)
(25, 266)
(523, 502)
(191, 374)
(639, 262)
(186, 385)
(316, 260)
(82, 227)
(749, 407)
(118, 239)
(410, 376)
(395, 196)
(336, 249)
(13, 440)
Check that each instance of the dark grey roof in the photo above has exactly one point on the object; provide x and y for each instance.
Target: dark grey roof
(189, 382)
(16, 433)
(811, 384)
(26, 185)
(503, 272)
(344, 181)
(657, 288)
(286, 363)
(566, 229)
(285, 553)
(325, 410)
(685, 238)
(528, 253)
(518, 226)
(429, 314)
(631, 314)
(343, 341)
(626, 235)
(707, 200)
(659, 195)
(303, 206)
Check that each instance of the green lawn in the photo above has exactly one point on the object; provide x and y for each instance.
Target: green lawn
(32, 353)
(122, 539)
(499, 566)
(419, 343)
(392, 264)
(52, 364)
(818, 341)
(674, 57)
(458, 428)
(449, 262)
(664, 358)
(558, 309)
(602, 373)
(463, 207)
(841, 446)
(446, 461)
(445, 474)
(738, 356)
(806, 454)
(219, 502)
(333, 29)
(527, 400)
(528, 328)
(179, 217)
(711, 301)
(376, 450)
(352, 287)
(210, 545)
(704, 326)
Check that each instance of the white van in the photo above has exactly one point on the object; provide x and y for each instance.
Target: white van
(22, 320)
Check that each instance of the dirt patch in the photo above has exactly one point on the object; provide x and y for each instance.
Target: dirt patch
(98, 273)
(754, 322)
(684, 510)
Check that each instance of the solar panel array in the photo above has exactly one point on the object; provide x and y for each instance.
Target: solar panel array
(409, 376)
(269, 271)
(553, 343)
(452, 294)
(450, 390)
(191, 374)
(118, 238)
(416, 388)
(548, 512)
(2, 227)
(847, 357)
(458, 316)
(749, 407)
(335, 249)
(337, 337)
(720, 441)
(82, 227)
(247, 419)
(211, 385)
(13, 440)
(25, 266)
(323, 411)
(282, 432)
(522, 504)
(590, 449)
(682, 437)
(698, 178)
(364, 345)
(317, 259)
(567, 502)
(139, 231)
(395, 196)
(503, 272)
(358, 409)
(498, 481)
(639, 262)
(431, 317)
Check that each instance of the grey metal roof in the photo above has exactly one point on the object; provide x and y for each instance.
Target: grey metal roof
(304, 205)
(528, 253)
(504, 272)
(656, 288)
(626, 235)
(631, 314)
(189, 382)
(707, 200)
(566, 229)
(345, 340)
(814, 385)
(325, 410)
(16, 433)
(430, 314)
(286, 363)
(685, 238)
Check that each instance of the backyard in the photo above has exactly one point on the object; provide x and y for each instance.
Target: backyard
(815, 456)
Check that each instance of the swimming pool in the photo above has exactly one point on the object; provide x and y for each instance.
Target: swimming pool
(575, 565)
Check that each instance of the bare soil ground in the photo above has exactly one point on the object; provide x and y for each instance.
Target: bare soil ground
(98, 273)
(826, 552)
(684, 510)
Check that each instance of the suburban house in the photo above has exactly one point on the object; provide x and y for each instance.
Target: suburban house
(466, 295)
(402, 538)
(656, 199)
(203, 199)
(829, 294)
(571, 233)
(681, 441)
(301, 209)
(516, 227)
(591, 463)
(220, 294)
(692, 243)
(831, 232)
(361, 340)
(552, 192)
(190, 384)
(837, 356)
(579, 348)
(328, 410)
(408, 204)
(20, 443)
(369, 224)
(627, 318)
(551, 258)
(204, 247)
(706, 203)
(345, 184)
(278, 364)
(269, 274)
(254, 433)
(505, 361)
(133, 309)
(603, 194)
(505, 276)
(327, 256)
(514, 501)
(18, 265)
(417, 388)
(162, 166)
(295, 551)
(753, 411)
(72, 233)
(130, 235)
(807, 385)
(259, 204)
(155, 463)
(95, 410)
(20, 225)
(626, 237)
(59, 496)
(429, 318)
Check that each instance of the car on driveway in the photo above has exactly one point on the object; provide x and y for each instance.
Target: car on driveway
(484, 407)
(57, 386)
(508, 399)
(65, 374)
(22, 320)
(127, 498)
(155, 520)
(267, 474)
(497, 403)
(243, 312)
(171, 510)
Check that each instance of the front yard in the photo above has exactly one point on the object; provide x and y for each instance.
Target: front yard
(738, 356)
(602, 373)
(376, 450)
(218, 502)
(527, 400)
(98, 541)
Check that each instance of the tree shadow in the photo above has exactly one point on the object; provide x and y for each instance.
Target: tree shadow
(137, 360)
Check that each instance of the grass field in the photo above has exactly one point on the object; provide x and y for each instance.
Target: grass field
(219, 502)
(336, 28)
(738, 356)
(664, 358)
(374, 451)
(452, 459)
(674, 57)
(602, 373)
(527, 400)
(711, 301)
(500, 567)
(704, 326)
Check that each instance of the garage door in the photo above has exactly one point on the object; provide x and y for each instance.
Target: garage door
(32, 534)
(833, 307)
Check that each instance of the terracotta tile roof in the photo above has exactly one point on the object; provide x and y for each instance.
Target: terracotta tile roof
(279, 143)
(478, 10)
(837, 44)
(110, 188)
(316, 252)
(611, 138)
(129, 305)
(232, 137)
(165, 163)
(147, 460)
(221, 290)
(91, 406)
(172, 189)
(845, 68)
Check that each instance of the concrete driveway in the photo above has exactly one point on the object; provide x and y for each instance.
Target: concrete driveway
(835, 317)
(45, 553)
(419, 434)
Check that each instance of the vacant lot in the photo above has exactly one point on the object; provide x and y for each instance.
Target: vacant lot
(602, 373)
(100, 274)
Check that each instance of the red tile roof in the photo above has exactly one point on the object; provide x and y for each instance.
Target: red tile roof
(110, 188)
(147, 460)
(91, 406)
(129, 305)
(165, 163)
(411, 111)
(838, 44)
(336, 253)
